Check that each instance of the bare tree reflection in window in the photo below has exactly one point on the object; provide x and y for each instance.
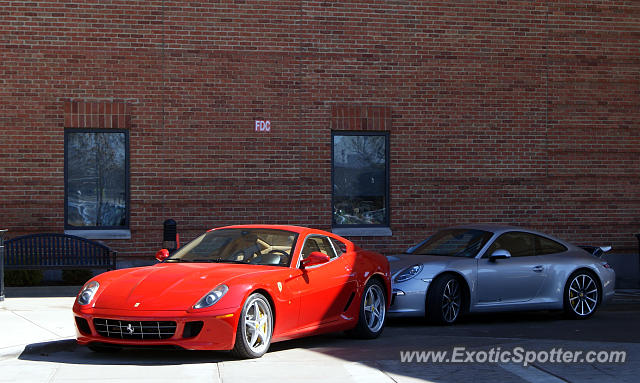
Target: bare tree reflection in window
(359, 179)
(96, 171)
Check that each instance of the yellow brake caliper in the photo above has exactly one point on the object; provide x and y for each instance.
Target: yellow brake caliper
(264, 326)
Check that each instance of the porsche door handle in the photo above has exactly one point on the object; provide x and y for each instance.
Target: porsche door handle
(538, 268)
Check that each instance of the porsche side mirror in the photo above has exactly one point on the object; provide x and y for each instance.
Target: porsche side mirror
(315, 258)
(499, 254)
(161, 255)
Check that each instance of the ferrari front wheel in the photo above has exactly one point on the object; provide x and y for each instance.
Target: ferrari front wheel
(255, 328)
(373, 308)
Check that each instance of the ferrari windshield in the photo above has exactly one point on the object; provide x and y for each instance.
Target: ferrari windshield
(454, 243)
(252, 246)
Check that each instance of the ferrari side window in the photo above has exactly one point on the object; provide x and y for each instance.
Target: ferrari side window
(339, 247)
(317, 243)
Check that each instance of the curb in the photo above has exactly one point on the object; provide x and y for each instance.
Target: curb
(43, 348)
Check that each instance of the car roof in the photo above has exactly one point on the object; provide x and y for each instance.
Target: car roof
(292, 228)
(499, 229)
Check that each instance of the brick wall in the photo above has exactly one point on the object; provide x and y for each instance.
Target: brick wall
(514, 112)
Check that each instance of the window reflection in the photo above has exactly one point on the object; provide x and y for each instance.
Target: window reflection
(96, 179)
(360, 179)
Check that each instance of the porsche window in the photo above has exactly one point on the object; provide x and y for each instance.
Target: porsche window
(546, 246)
(454, 243)
(517, 243)
(251, 246)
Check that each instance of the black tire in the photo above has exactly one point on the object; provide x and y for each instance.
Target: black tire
(582, 295)
(103, 348)
(373, 311)
(446, 300)
(256, 314)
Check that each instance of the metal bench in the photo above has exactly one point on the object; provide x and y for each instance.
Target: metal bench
(57, 251)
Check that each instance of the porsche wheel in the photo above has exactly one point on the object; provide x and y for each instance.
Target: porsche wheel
(581, 295)
(255, 328)
(445, 300)
(373, 310)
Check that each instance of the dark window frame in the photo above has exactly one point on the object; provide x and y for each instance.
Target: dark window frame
(555, 243)
(127, 181)
(535, 237)
(387, 155)
(488, 252)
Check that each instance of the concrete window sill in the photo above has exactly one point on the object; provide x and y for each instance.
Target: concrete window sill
(101, 234)
(362, 231)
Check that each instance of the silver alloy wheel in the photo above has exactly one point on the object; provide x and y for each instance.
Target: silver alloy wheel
(451, 301)
(583, 294)
(257, 325)
(374, 308)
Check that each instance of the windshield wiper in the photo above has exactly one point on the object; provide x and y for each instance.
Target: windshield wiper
(176, 260)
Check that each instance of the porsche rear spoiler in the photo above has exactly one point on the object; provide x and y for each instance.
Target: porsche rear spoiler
(598, 251)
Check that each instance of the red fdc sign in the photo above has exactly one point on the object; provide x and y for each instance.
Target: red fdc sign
(263, 126)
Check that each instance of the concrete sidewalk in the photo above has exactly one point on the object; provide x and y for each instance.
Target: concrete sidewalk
(33, 316)
(37, 344)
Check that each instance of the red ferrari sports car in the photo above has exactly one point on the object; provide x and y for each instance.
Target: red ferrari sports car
(238, 288)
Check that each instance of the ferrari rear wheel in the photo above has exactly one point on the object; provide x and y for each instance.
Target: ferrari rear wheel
(255, 328)
(373, 308)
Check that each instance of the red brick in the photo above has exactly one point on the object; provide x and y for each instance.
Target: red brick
(513, 112)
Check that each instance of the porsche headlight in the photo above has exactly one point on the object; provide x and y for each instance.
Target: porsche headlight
(211, 297)
(87, 293)
(408, 273)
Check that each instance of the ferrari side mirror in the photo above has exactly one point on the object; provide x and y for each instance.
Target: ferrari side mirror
(161, 255)
(315, 258)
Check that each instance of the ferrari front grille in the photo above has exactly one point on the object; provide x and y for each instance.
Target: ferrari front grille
(149, 330)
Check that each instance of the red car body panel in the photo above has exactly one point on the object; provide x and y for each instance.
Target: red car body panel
(318, 299)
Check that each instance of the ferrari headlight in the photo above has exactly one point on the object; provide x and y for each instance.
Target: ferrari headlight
(87, 293)
(211, 297)
(408, 273)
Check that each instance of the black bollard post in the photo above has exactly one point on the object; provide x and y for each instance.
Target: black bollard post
(170, 235)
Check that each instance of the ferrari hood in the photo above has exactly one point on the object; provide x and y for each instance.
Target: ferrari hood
(167, 286)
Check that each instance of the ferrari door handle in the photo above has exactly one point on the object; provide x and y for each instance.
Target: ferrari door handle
(538, 268)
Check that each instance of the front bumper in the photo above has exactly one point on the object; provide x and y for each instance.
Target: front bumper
(409, 298)
(217, 332)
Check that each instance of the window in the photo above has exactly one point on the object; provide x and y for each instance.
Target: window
(252, 246)
(360, 175)
(517, 243)
(317, 243)
(339, 246)
(546, 246)
(96, 179)
(454, 243)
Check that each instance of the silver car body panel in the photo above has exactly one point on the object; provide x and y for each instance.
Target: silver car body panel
(518, 283)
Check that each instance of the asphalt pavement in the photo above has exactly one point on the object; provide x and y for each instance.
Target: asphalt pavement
(37, 345)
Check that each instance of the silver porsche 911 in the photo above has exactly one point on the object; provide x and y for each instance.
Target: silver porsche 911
(484, 268)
